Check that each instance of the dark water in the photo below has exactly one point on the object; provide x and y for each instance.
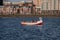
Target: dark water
(11, 29)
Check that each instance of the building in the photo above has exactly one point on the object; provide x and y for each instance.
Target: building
(37, 2)
(48, 4)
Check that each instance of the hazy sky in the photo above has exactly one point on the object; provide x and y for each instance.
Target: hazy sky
(16, 0)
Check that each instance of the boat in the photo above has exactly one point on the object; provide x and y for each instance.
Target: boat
(40, 22)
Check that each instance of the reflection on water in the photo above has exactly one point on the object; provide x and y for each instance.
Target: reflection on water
(11, 29)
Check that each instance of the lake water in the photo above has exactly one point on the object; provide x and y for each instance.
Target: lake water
(11, 29)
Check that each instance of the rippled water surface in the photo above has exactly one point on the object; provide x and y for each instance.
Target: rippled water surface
(11, 29)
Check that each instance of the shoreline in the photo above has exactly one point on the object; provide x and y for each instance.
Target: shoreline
(29, 15)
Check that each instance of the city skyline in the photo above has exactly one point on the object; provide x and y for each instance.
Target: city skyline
(43, 4)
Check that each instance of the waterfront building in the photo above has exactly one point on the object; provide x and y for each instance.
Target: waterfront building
(48, 4)
(37, 2)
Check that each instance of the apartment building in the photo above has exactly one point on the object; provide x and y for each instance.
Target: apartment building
(48, 4)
